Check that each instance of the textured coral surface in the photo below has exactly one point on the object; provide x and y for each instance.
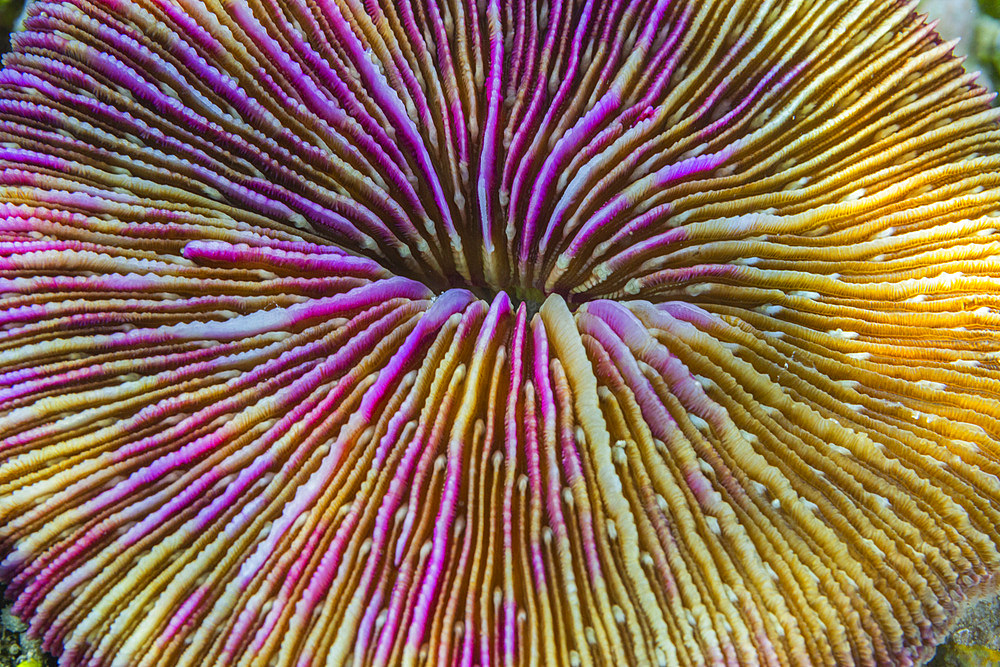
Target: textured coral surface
(581, 332)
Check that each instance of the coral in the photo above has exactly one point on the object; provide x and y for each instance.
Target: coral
(542, 333)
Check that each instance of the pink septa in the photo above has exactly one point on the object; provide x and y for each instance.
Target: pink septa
(500, 310)
(444, 306)
(181, 617)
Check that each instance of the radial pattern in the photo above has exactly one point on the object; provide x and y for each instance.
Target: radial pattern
(496, 332)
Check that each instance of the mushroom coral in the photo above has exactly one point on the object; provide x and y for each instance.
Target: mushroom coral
(521, 332)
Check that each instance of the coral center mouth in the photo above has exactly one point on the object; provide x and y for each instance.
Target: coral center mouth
(486, 273)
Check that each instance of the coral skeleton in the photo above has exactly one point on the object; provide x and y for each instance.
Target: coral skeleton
(496, 332)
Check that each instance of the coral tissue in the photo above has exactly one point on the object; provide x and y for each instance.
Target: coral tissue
(496, 332)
